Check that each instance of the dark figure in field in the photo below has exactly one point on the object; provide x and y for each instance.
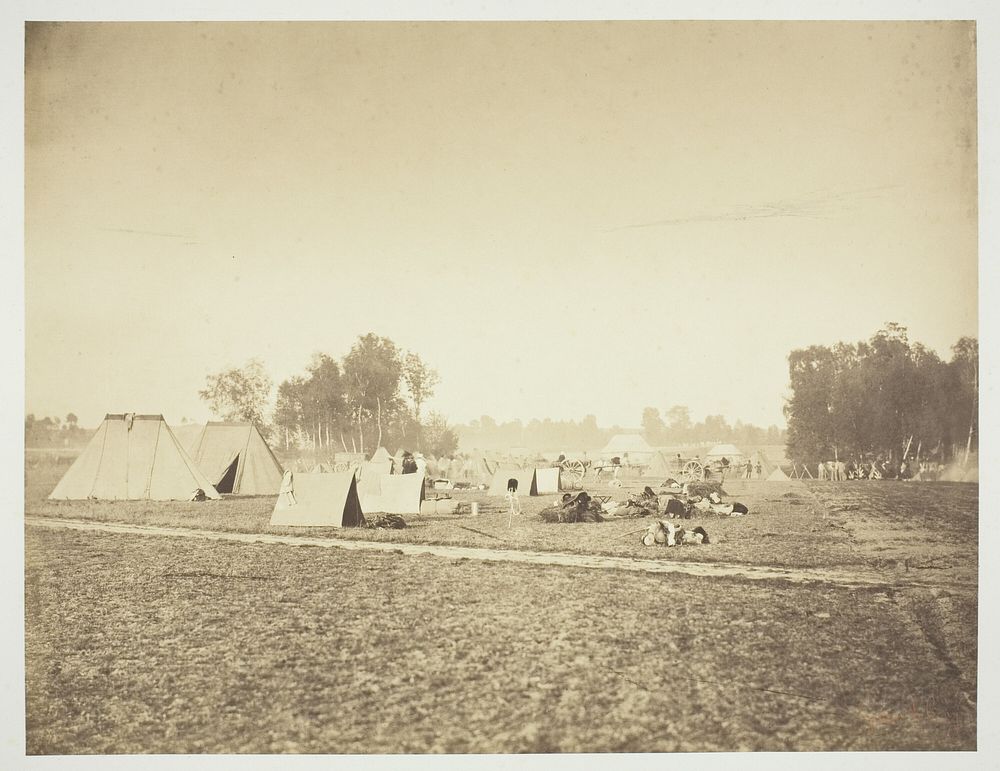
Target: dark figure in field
(749, 469)
(757, 468)
(512, 485)
(677, 509)
(409, 464)
(739, 508)
(725, 467)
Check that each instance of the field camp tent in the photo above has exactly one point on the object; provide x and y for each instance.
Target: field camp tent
(318, 500)
(777, 475)
(658, 467)
(374, 468)
(237, 459)
(639, 452)
(133, 457)
(381, 455)
(525, 481)
(766, 466)
(546, 480)
(187, 433)
(729, 451)
(392, 493)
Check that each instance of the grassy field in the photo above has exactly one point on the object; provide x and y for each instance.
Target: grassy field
(790, 524)
(151, 644)
(158, 644)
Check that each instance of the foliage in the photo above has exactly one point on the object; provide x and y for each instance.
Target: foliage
(360, 403)
(239, 394)
(420, 381)
(52, 432)
(871, 399)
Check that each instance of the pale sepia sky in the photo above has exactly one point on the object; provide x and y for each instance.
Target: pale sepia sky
(562, 218)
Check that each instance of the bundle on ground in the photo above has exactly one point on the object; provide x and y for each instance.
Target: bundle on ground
(576, 507)
(666, 533)
(388, 521)
(704, 489)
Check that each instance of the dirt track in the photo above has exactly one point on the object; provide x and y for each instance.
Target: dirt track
(844, 578)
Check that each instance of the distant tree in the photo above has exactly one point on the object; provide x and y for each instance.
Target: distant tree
(437, 438)
(239, 394)
(71, 420)
(653, 427)
(965, 365)
(679, 423)
(420, 381)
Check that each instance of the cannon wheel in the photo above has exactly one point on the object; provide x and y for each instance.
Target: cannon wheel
(693, 471)
(575, 469)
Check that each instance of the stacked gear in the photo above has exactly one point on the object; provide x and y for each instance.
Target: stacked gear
(386, 521)
(575, 507)
(663, 532)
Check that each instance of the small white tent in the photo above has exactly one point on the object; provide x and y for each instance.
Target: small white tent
(318, 500)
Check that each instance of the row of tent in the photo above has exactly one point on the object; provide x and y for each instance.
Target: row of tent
(138, 457)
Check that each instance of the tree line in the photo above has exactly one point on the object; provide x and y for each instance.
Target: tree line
(677, 428)
(373, 396)
(883, 398)
(539, 435)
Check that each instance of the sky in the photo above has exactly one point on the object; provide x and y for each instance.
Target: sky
(562, 218)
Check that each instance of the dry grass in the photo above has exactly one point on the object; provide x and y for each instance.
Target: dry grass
(861, 524)
(147, 644)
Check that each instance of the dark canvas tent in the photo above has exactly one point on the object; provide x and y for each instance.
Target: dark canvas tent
(318, 500)
(525, 481)
(237, 459)
(133, 457)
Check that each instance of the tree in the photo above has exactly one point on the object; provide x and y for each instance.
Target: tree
(965, 364)
(420, 381)
(653, 427)
(71, 420)
(679, 423)
(372, 373)
(239, 394)
(438, 439)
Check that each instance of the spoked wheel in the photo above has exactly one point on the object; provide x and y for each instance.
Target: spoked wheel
(575, 469)
(693, 471)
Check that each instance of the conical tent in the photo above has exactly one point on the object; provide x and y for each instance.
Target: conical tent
(237, 459)
(373, 468)
(318, 500)
(525, 481)
(728, 451)
(392, 494)
(133, 457)
(632, 445)
(381, 455)
(777, 475)
(658, 467)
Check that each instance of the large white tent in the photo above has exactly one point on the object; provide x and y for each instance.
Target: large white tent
(629, 447)
(133, 457)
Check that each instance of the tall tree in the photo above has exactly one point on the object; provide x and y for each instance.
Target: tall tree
(372, 373)
(420, 381)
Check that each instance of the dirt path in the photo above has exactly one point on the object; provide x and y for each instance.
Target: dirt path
(849, 579)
